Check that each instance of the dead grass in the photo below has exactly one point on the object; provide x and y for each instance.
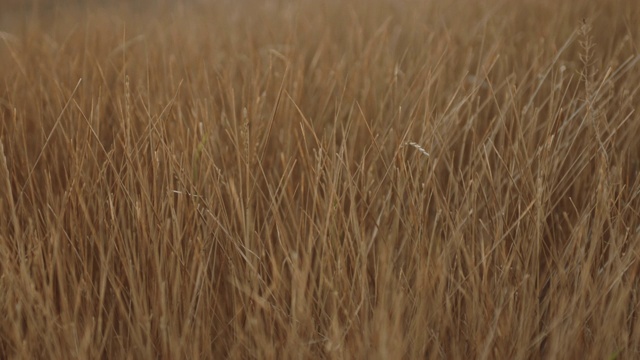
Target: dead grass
(251, 180)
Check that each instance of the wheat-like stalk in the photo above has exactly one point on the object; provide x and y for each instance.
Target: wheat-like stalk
(418, 147)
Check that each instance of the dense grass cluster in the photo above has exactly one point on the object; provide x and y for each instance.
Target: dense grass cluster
(320, 179)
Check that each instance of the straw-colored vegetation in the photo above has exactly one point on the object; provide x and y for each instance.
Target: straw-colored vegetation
(320, 179)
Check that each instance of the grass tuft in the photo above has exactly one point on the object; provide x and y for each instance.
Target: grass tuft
(244, 179)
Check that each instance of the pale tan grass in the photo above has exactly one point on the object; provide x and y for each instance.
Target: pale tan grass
(369, 179)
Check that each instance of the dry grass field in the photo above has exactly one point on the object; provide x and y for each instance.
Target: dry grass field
(379, 179)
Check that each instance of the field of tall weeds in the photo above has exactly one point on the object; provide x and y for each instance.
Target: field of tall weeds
(319, 179)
